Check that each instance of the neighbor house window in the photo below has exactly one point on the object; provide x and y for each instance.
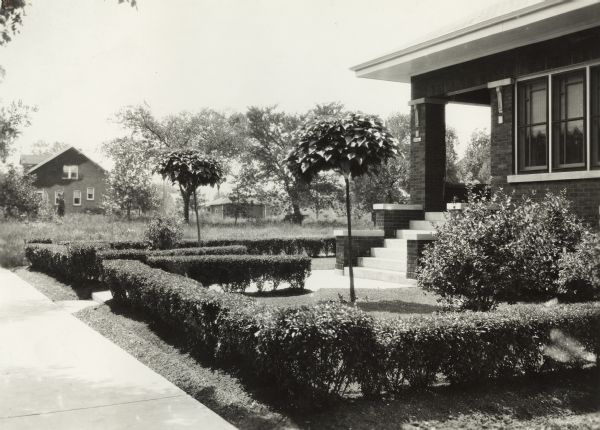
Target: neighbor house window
(57, 196)
(533, 124)
(595, 116)
(77, 198)
(70, 172)
(90, 193)
(568, 120)
(42, 195)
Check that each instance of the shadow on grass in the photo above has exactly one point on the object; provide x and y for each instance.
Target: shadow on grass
(398, 307)
(285, 292)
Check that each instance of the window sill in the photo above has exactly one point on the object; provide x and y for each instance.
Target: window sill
(554, 176)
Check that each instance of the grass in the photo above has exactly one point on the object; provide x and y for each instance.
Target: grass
(568, 400)
(99, 227)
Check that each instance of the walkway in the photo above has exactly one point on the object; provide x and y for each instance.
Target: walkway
(57, 373)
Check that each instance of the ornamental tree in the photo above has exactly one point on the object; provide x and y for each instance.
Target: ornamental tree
(352, 146)
(190, 169)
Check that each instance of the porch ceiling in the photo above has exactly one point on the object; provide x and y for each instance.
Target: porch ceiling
(536, 22)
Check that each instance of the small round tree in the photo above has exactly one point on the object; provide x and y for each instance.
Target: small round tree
(190, 169)
(351, 145)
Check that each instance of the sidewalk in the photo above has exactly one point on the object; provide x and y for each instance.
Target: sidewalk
(57, 373)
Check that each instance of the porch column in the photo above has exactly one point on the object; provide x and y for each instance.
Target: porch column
(428, 153)
(502, 131)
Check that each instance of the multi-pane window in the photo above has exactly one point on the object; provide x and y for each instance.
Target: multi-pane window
(90, 193)
(533, 125)
(70, 172)
(568, 120)
(77, 198)
(595, 116)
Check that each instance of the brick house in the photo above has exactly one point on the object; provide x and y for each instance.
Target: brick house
(69, 173)
(536, 64)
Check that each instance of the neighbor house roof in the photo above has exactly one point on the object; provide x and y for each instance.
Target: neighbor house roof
(504, 25)
(53, 156)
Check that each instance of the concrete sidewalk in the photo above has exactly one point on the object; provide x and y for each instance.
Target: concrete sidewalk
(57, 373)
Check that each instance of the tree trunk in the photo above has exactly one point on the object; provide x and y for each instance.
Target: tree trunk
(350, 258)
(297, 215)
(128, 212)
(197, 217)
(186, 206)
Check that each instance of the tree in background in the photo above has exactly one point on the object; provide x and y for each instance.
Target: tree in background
(18, 196)
(324, 192)
(12, 119)
(190, 169)
(350, 146)
(129, 184)
(475, 166)
(209, 132)
(453, 175)
(42, 147)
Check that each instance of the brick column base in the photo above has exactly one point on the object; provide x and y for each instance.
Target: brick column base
(362, 242)
(392, 217)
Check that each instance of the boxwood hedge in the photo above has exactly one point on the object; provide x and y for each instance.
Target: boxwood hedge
(311, 354)
(142, 254)
(237, 272)
(72, 263)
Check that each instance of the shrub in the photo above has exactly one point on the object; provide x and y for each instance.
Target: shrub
(164, 232)
(473, 346)
(237, 272)
(39, 240)
(579, 276)
(500, 249)
(73, 262)
(142, 254)
(311, 354)
(312, 247)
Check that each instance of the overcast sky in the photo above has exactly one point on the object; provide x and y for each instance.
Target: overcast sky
(80, 61)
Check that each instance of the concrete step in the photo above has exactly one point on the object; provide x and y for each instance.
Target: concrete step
(424, 225)
(389, 253)
(415, 234)
(436, 216)
(382, 275)
(395, 243)
(383, 263)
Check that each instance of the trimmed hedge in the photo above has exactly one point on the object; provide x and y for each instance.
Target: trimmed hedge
(73, 263)
(142, 254)
(313, 247)
(237, 272)
(311, 354)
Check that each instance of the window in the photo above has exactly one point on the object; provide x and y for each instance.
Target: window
(568, 120)
(70, 172)
(42, 195)
(77, 198)
(532, 125)
(90, 193)
(595, 116)
(57, 196)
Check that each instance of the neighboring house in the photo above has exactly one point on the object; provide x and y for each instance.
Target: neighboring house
(536, 64)
(69, 173)
(223, 208)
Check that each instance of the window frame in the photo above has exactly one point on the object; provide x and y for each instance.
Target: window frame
(551, 171)
(592, 116)
(87, 193)
(71, 171)
(74, 192)
(529, 126)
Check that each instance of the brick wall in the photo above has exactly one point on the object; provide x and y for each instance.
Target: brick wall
(414, 251)
(390, 220)
(361, 247)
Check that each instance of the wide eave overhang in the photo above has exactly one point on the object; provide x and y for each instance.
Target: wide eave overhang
(541, 21)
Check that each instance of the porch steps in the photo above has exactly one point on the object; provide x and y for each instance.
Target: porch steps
(390, 262)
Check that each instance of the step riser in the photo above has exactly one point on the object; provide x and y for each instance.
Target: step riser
(399, 244)
(390, 253)
(415, 234)
(435, 216)
(424, 225)
(394, 277)
(379, 263)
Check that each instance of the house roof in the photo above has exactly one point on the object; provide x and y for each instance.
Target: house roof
(55, 155)
(504, 25)
(226, 200)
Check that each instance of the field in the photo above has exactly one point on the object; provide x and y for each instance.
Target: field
(99, 227)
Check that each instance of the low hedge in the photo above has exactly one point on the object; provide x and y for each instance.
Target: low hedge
(311, 354)
(142, 254)
(73, 263)
(313, 247)
(237, 272)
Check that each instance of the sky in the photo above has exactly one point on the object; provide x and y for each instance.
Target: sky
(80, 61)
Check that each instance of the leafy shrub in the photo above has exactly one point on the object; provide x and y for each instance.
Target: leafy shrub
(579, 275)
(73, 263)
(500, 249)
(310, 354)
(312, 247)
(236, 272)
(473, 346)
(164, 232)
(18, 196)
